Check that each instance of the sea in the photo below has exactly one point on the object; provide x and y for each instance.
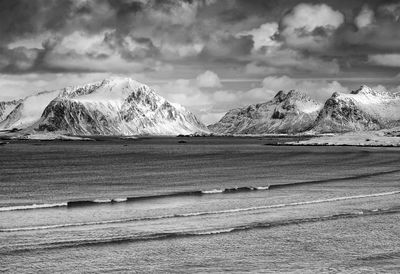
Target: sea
(198, 205)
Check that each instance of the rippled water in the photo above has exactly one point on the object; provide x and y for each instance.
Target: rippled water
(207, 205)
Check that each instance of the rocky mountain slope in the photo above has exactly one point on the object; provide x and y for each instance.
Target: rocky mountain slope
(6, 107)
(287, 112)
(28, 110)
(122, 106)
(293, 112)
(362, 109)
(118, 106)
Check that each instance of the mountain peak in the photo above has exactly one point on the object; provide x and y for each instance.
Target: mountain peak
(365, 90)
(119, 80)
(288, 112)
(363, 109)
(114, 88)
(113, 106)
(286, 95)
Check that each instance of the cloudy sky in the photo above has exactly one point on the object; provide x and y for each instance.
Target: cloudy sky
(209, 55)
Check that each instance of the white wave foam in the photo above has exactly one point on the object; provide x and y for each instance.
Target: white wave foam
(212, 191)
(120, 200)
(287, 205)
(219, 231)
(262, 187)
(34, 206)
(64, 204)
(117, 200)
(193, 214)
(101, 201)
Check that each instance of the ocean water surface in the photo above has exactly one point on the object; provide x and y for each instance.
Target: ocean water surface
(184, 205)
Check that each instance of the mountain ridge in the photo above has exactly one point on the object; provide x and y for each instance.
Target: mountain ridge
(361, 110)
(288, 112)
(123, 106)
(115, 106)
(294, 112)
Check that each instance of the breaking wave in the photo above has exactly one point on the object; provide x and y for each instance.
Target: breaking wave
(191, 193)
(202, 213)
(34, 206)
(131, 199)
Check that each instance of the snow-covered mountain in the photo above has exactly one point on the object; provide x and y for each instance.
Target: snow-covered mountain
(287, 112)
(117, 106)
(6, 107)
(122, 106)
(362, 109)
(28, 110)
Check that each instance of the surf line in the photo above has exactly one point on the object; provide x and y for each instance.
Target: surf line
(202, 213)
(169, 195)
(232, 190)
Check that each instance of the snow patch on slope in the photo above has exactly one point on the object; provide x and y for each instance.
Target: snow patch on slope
(7, 107)
(288, 112)
(378, 103)
(363, 109)
(117, 106)
(29, 110)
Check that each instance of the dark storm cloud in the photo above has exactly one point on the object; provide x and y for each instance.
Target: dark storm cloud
(143, 35)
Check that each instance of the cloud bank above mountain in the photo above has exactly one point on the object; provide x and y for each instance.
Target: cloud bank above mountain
(197, 45)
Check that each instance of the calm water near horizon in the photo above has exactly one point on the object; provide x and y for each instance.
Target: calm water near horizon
(157, 205)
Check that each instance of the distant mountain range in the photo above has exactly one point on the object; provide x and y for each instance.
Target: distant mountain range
(290, 112)
(117, 106)
(295, 112)
(362, 109)
(122, 106)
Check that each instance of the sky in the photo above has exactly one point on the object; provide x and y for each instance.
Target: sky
(208, 55)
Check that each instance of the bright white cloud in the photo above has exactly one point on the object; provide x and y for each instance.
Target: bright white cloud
(263, 35)
(310, 26)
(389, 60)
(364, 18)
(204, 96)
(208, 79)
(188, 94)
(310, 17)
